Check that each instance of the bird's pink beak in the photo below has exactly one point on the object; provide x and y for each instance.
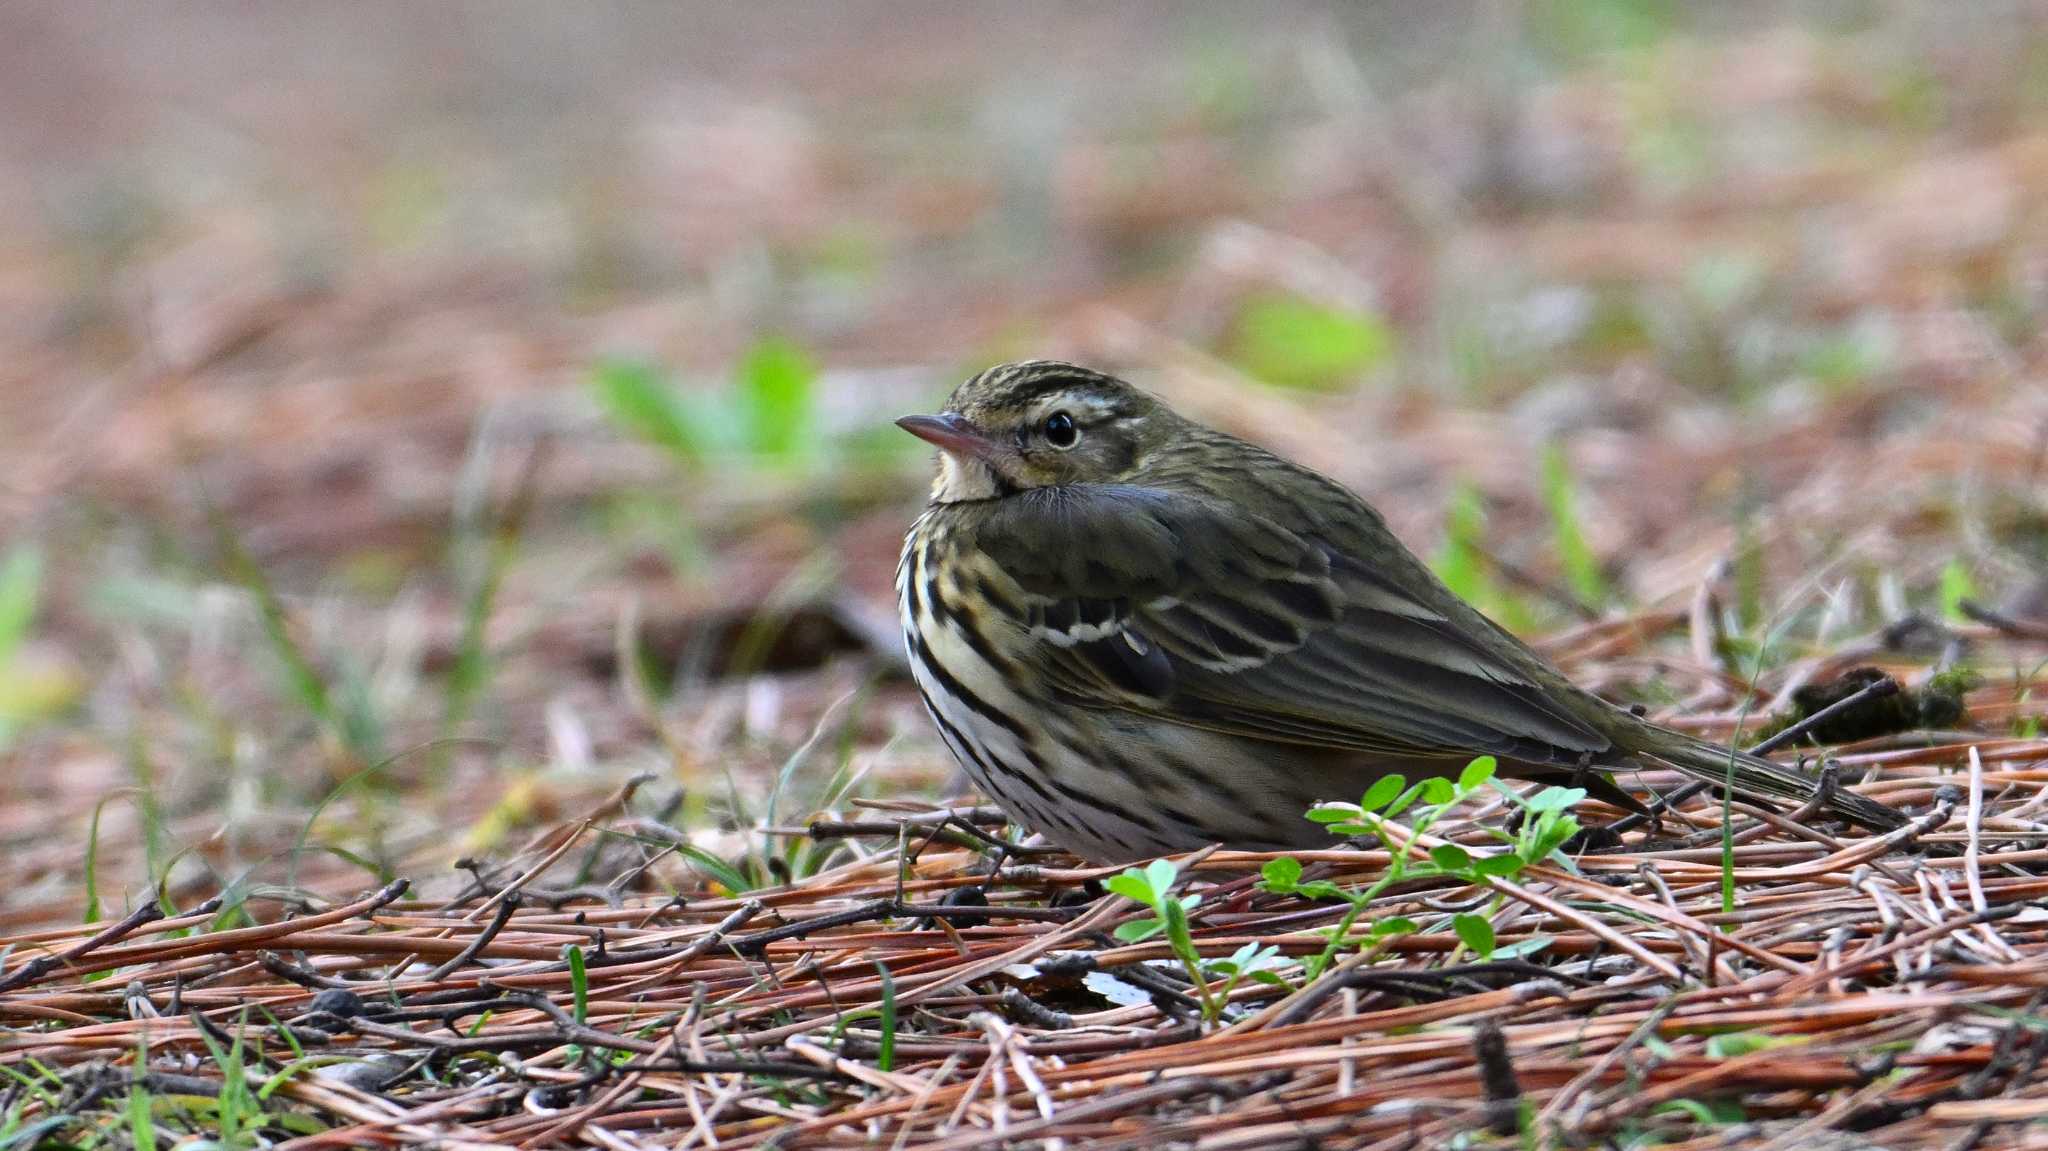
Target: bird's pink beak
(949, 433)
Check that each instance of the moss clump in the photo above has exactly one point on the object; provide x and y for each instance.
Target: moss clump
(1936, 704)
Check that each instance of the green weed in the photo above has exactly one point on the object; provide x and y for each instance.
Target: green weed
(1560, 494)
(1298, 343)
(1152, 886)
(1546, 825)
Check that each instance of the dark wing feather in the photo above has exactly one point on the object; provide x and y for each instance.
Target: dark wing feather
(1185, 608)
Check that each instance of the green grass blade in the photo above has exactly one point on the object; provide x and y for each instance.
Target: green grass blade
(92, 863)
(885, 1055)
(1956, 586)
(642, 403)
(21, 581)
(728, 876)
(777, 380)
(141, 1108)
(579, 983)
(302, 676)
(472, 661)
(1560, 494)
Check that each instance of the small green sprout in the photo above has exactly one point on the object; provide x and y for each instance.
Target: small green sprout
(1152, 885)
(1546, 826)
(1259, 962)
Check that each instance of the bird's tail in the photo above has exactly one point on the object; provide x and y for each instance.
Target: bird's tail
(1754, 777)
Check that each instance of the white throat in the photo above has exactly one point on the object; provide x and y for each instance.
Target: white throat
(961, 480)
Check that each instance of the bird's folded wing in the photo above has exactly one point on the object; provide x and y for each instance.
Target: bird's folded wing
(1193, 611)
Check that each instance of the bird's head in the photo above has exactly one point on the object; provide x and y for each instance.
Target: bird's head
(1038, 424)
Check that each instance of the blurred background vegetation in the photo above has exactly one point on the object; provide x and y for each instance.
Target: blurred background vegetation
(419, 420)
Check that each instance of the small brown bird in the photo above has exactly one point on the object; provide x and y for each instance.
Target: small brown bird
(1140, 635)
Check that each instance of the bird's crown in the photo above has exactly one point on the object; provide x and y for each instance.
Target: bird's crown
(1007, 392)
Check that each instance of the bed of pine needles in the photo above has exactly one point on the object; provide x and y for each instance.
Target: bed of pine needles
(448, 678)
(591, 990)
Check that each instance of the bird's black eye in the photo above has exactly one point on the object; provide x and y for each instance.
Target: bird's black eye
(1060, 431)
